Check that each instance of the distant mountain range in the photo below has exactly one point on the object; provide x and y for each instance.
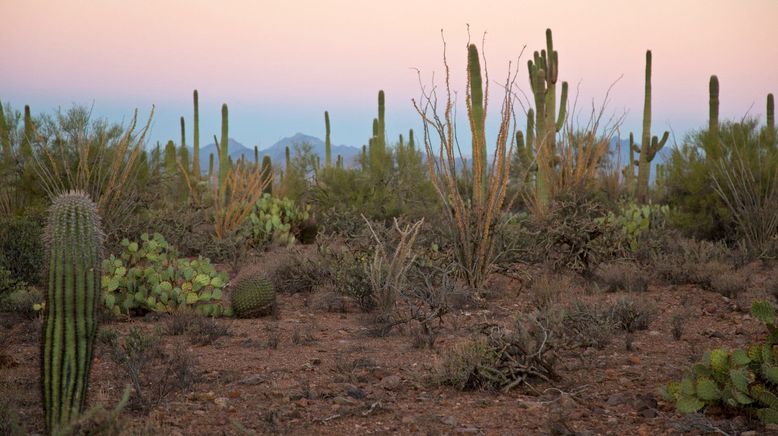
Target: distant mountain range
(277, 151)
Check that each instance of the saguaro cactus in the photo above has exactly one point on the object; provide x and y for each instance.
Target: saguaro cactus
(629, 169)
(210, 166)
(649, 145)
(381, 134)
(327, 143)
(29, 134)
(712, 146)
(411, 143)
(5, 139)
(770, 138)
(267, 173)
(475, 111)
(543, 75)
(224, 148)
(196, 138)
(75, 240)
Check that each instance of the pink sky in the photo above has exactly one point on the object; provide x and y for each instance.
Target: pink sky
(283, 63)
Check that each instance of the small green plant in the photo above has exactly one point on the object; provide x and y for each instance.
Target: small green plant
(743, 380)
(150, 277)
(634, 219)
(277, 219)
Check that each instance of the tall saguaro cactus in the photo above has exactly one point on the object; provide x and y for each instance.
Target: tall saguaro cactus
(75, 240)
(649, 145)
(477, 115)
(224, 148)
(712, 145)
(381, 134)
(327, 143)
(770, 126)
(5, 138)
(29, 134)
(196, 138)
(543, 75)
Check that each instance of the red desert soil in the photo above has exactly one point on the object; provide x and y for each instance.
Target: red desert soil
(339, 379)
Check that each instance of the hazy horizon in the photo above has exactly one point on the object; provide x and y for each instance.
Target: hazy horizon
(280, 66)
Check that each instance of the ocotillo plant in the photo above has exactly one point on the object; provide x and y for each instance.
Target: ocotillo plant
(712, 145)
(224, 147)
(267, 174)
(74, 241)
(472, 217)
(196, 138)
(327, 143)
(543, 75)
(649, 145)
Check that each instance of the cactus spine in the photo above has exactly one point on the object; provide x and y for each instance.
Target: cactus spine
(196, 138)
(267, 174)
(477, 115)
(649, 145)
(224, 152)
(712, 148)
(75, 245)
(543, 75)
(327, 143)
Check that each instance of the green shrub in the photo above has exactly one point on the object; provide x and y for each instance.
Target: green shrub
(21, 248)
(26, 301)
(742, 380)
(151, 277)
(277, 219)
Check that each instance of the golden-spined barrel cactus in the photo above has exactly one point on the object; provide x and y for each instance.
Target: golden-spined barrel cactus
(253, 295)
(74, 246)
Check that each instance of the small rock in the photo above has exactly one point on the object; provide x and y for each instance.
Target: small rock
(654, 333)
(634, 360)
(648, 413)
(407, 419)
(467, 430)
(617, 399)
(449, 420)
(748, 433)
(391, 383)
(252, 380)
(343, 401)
(221, 402)
(233, 394)
(355, 392)
(711, 309)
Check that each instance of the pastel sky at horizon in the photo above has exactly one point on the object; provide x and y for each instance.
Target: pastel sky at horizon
(279, 65)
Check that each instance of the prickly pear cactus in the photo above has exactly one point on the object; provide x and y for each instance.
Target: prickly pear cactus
(252, 296)
(75, 243)
(743, 380)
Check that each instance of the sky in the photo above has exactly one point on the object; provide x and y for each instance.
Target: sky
(280, 64)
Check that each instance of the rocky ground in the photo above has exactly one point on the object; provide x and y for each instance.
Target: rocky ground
(319, 368)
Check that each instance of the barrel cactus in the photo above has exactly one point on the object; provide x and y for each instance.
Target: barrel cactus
(253, 295)
(75, 243)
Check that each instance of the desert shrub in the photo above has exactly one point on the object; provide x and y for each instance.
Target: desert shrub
(21, 247)
(150, 277)
(295, 274)
(277, 219)
(24, 300)
(587, 325)
(632, 315)
(546, 289)
(184, 227)
(741, 200)
(622, 277)
(153, 374)
(347, 267)
(9, 283)
(575, 236)
(201, 330)
(9, 418)
(500, 359)
(742, 380)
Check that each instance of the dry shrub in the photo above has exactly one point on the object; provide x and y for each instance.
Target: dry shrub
(627, 277)
(545, 290)
(295, 274)
(587, 325)
(502, 359)
(632, 315)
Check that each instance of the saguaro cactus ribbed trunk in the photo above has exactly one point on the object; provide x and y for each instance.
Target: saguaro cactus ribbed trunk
(712, 147)
(224, 148)
(196, 138)
(74, 241)
(649, 145)
(327, 143)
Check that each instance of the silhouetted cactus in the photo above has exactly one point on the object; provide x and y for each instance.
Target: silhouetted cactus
(267, 173)
(327, 143)
(224, 148)
(29, 134)
(196, 138)
(712, 146)
(770, 119)
(75, 247)
(649, 145)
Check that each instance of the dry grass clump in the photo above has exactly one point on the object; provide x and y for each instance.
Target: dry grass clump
(295, 274)
(545, 290)
(587, 325)
(622, 277)
(632, 315)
